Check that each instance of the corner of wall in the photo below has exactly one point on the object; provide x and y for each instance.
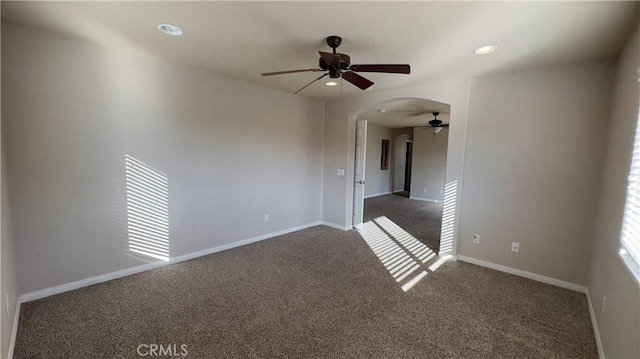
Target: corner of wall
(10, 291)
(322, 160)
(618, 327)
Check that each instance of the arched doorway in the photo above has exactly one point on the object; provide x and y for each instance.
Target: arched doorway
(399, 176)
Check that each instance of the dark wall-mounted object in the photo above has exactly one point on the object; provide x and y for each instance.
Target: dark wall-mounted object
(384, 155)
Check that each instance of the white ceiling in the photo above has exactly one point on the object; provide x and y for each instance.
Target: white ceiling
(243, 39)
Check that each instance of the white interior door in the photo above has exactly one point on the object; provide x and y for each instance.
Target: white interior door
(358, 184)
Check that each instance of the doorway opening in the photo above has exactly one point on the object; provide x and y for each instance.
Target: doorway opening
(407, 165)
(407, 193)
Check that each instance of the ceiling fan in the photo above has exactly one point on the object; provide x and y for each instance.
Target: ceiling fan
(339, 66)
(436, 124)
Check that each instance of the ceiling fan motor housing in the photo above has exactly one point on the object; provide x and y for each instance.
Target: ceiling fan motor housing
(435, 122)
(345, 62)
(334, 41)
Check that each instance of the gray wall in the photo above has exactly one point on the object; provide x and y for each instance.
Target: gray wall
(532, 168)
(532, 159)
(232, 152)
(429, 164)
(619, 324)
(377, 181)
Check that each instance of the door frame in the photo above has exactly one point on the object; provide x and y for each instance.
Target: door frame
(453, 174)
(359, 175)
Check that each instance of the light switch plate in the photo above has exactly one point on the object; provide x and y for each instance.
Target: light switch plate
(340, 172)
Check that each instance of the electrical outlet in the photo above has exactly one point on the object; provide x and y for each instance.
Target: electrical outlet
(266, 218)
(604, 303)
(424, 190)
(476, 238)
(6, 300)
(515, 247)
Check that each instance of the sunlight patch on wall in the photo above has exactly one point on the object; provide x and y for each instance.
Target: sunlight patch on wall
(448, 217)
(402, 254)
(630, 235)
(147, 209)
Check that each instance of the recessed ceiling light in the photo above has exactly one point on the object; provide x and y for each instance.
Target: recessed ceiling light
(483, 50)
(170, 29)
(331, 83)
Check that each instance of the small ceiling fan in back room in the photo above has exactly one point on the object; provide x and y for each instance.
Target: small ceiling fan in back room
(435, 124)
(339, 65)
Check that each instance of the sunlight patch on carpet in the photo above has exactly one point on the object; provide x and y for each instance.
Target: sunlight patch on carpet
(400, 252)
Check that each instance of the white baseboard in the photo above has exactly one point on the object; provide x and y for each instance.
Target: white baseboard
(376, 195)
(336, 226)
(398, 190)
(27, 297)
(521, 273)
(424, 199)
(594, 323)
(14, 330)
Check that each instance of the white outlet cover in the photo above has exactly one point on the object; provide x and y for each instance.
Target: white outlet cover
(515, 246)
(266, 218)
(340, 172)
(476, 238)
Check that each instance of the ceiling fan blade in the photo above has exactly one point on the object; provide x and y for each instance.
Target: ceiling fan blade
(357, 80)
(289, 72)
(411, 113)
(307, 85)
(421, 113)
(444, 125)
(391, 69)
(333, 60)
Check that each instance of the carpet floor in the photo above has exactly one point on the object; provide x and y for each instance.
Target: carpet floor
(422, 219)
(316, 293)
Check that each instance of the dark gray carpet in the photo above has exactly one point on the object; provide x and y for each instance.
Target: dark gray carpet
(422, 219)
(317, 293)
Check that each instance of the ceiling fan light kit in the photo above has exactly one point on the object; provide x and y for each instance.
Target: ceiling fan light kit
(339, 65)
